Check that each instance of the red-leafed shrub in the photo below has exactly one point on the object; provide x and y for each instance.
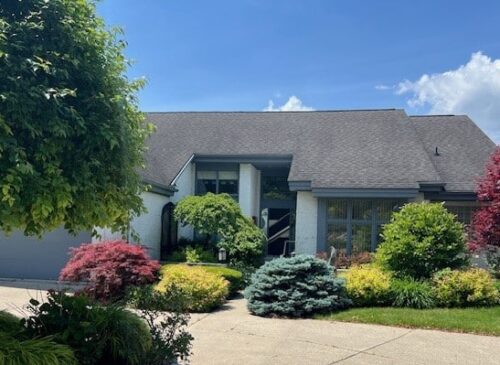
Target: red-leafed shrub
(109, 267)
(486, 222)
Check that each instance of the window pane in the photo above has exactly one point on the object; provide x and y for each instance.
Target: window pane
(362, 209)
(464, 213)
(361, 238)
(275, 188)
(210, 175)
(336, 209)
(228, 186)
(228, 175)
(386, 207)
(337, 236)
(206, 186)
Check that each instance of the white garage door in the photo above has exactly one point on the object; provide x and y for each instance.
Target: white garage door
(31, 258)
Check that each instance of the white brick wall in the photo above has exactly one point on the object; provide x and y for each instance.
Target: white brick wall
(306, 228)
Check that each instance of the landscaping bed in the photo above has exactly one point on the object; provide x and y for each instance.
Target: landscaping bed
(483, 320)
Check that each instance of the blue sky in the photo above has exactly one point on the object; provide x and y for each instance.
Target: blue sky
(239, 55)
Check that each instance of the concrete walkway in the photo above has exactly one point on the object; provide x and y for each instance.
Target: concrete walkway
(233, 336)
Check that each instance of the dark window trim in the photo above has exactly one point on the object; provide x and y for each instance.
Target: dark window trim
(218, 168)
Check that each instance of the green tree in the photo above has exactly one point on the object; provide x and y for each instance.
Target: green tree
(220, 215)
(71, 134)
(421, 239)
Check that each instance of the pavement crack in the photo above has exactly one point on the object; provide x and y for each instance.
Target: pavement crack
(366, 351)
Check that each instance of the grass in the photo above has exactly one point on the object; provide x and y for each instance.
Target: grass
(485, 320)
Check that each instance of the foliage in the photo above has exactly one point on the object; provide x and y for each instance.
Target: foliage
(199, 254)
(295, 287)
(233, 277)
(421, 239)
(343, 261)
(486, 221)
(97, 334)
(72, 133)
(473, 287)
(109, 267)
(412, 293)
(146, 297)
(220, 215)
(246, 270)
(203, 291)
(9, 323)
(472, 320)
(170, 339)
(493, 259)
(368, 285)
(38, 351)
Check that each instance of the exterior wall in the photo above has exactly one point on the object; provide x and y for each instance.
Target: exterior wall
(249, 190)
(306, 223)
(420, 198)
(32, 258)
(147, 226)
(185, 185)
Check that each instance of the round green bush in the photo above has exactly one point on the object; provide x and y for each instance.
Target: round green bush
(9, 323)
(202, 291)
(412, 293)
(368, 285)
(295, 287)
(421, 239)
(234, 277)
(473, 287)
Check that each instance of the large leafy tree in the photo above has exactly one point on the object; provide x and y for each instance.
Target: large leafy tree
(71, 134)
(486, 222)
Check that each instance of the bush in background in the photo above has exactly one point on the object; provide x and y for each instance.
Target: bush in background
(220, 215)
(368, 285)
(421, 239)
(412, 293)
(199, 254)
(294, 287)
(493, 260)
(109, 267)
(233, 277)
(473, 287)
(202, 291)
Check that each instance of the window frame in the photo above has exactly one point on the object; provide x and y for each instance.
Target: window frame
(349, 221)
(218, 170)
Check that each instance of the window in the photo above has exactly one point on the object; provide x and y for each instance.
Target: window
(217, 182)
(354, 225)
(464, 213)
(275, 188)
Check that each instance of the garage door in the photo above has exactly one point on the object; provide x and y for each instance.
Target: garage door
(31, 258)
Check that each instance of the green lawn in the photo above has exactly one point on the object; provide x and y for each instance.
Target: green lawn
(471, 320)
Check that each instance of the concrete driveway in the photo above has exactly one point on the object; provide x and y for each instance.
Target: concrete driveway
(233, 336)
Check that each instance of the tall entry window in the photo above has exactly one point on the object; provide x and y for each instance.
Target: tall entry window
(354, 225)
(217, 182)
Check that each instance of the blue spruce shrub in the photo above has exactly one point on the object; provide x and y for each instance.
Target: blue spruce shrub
(295, 287)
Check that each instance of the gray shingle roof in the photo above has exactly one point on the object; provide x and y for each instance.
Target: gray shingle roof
(332, 149)
(463, 148)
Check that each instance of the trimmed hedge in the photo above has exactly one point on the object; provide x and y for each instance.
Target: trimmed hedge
(473, 287)
(420, 240)
(234, 277)
(201, 290)
(295, 287)
(368, 285)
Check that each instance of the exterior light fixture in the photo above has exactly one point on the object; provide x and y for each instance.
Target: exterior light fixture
(222, 255)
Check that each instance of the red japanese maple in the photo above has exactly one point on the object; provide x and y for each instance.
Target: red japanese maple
(109, 267)
(486, 222)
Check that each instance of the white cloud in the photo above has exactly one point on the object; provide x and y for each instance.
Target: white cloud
(472, 89)
(383, 87)
(293, 104)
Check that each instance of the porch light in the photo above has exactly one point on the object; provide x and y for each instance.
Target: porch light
(222, 255)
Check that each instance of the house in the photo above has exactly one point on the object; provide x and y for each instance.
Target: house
(311, 179)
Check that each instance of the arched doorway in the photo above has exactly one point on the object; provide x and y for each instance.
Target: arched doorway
(168, 231)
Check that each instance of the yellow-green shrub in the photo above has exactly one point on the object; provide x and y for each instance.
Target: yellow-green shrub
(454, 288)
(202, 290)
(368, 285)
